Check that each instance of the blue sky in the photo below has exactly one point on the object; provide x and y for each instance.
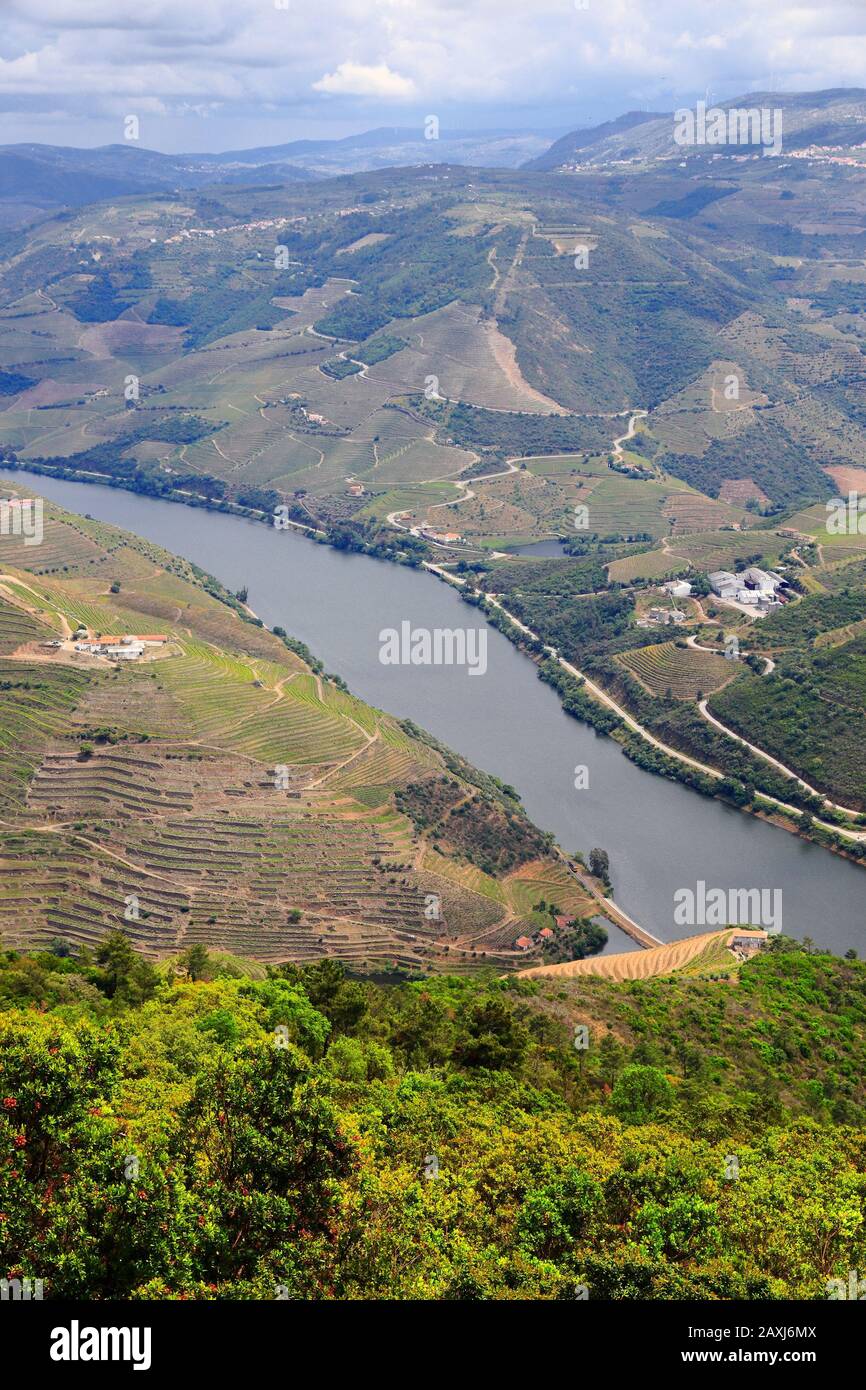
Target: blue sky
(222, 74)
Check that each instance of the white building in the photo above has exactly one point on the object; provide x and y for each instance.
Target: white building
(760, 581)
(724, 584)
(131, 651)
(678, 588)
(753, 586)
(126, 650)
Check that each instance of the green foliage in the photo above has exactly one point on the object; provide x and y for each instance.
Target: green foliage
(640, 1094)
(492, 834)
(384, 345)
(435, 1140)
(557, 581)
(260, 1140)
(692, 203)
(99, 301)
(514, 432)
(215, 311)
(784, 469)
(124, 975)
(339, 368)
(810, 715)
(411, 273)
(13, 382)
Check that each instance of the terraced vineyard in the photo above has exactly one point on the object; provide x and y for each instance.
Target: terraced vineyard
(65, 548)
(692, 955)
(651, 564)
(219, 791)
(36, 701)
(18, 626)
(685, 672)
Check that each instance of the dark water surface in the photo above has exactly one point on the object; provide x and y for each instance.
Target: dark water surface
(660, 835)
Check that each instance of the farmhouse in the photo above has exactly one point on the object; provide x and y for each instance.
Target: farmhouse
(442, 537)
(125, 648)
(115, 648)
(747, 944)
(523, 943)
(678, 588)
(666, 615)
(96, 645)
(129, 652)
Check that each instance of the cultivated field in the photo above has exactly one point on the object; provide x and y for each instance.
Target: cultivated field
(685, 673)
(705, 952)
(218, 791)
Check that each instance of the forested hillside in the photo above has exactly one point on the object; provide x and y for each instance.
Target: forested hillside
(212, 1132)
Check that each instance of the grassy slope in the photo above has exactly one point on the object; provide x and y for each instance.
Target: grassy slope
(159, 781)
(809, 712)
(790, 1023)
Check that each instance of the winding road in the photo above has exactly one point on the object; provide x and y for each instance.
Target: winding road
(604, 698)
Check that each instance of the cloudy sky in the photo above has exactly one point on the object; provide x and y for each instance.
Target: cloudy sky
(222, 74)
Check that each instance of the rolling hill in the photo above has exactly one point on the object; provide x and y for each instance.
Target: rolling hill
(834, 117)
(222, 791)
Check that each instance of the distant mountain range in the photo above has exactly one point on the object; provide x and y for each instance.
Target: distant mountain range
(833, 117)
(390, 146)
(39, 179)
(35, 179)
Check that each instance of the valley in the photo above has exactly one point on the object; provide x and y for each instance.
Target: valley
(222, 790)
(259, 350)
(432, 672)
(509, 723)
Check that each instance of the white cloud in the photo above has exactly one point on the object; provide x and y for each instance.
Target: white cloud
(362, 80)
(98, 57)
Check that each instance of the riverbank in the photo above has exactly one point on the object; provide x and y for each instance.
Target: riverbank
(633, 738)
(764, 806)
(512, 724)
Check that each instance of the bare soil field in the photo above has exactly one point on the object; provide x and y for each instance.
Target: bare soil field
(643, 965)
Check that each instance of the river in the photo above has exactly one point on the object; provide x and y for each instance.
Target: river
(660, 835)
